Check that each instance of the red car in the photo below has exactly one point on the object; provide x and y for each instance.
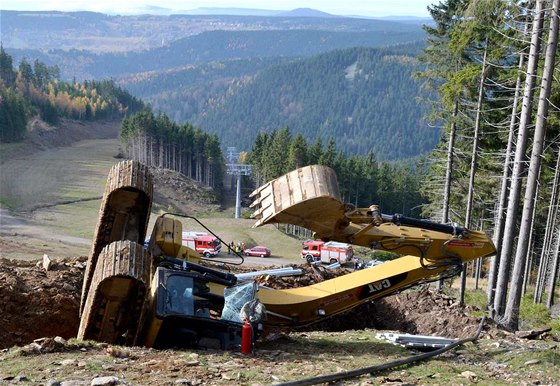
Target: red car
(258, 251)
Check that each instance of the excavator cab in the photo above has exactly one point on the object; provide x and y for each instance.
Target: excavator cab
(190, 310)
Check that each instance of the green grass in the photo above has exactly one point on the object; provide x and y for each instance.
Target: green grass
(531, 316)
(10, 150)
(477, 300)
(78, 173)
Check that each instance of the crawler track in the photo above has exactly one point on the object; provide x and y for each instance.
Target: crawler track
(118, 288)
(124, 213)
(118, 268)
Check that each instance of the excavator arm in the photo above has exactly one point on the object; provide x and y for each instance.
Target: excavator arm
(309, 197)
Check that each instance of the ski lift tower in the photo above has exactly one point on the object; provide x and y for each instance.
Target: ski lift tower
(236, 169)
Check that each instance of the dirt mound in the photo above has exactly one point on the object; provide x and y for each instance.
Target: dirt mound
(415, 311)
(38, 302)
(174, 192)
(69, 131)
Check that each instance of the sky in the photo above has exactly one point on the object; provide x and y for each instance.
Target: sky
(374, 8)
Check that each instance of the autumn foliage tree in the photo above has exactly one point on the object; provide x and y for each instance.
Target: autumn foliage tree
(36, 90)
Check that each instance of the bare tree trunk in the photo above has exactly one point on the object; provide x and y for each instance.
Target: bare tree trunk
(528, 268)
(474, 165)
(502, 203)
(506, 249)
(554, 270)
(529, 257)
(448, 171)
(548, 234)
(478, 262)
(449, 166)
(161, 153)
(514, 297)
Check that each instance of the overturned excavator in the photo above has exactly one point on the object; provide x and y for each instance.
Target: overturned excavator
(165, 295)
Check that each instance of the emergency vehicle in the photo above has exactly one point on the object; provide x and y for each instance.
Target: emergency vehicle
(203, 243)
(327, 252)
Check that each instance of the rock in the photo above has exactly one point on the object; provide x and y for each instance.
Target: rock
(68, 287)
(52, 382)
(32, 348)
(79, 265)
(46, 262)
(117, 353)
(468, 375)
(532, 362)
(68, 362)
(105, 381)
(60, 341)
(532, 334)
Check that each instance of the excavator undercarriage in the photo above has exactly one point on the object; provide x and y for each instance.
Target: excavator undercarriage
(162, 295)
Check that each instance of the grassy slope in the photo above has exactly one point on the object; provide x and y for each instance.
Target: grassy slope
(58, 191)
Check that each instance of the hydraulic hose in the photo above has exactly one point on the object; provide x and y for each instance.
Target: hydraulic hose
(399, 219)
(373, 369)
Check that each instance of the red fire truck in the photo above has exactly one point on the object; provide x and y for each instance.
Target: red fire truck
(206, 245)
(327, 252)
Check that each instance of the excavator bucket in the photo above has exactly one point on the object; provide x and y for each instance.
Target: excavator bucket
(308, 197)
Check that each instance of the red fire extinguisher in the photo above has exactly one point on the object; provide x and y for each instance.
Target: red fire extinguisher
(247, 338)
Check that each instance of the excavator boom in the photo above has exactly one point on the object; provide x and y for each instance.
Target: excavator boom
(309, 197)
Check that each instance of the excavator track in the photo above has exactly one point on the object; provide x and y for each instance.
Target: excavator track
(115, 302)
(124, 213)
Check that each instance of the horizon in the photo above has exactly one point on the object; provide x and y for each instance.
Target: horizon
(378, 8)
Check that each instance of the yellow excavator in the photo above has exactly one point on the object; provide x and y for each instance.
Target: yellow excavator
(163, 295)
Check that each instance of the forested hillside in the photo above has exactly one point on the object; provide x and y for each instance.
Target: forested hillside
(36, 90)
(494, 66)
(362, 179)
(209, 47)
(238, 75)
(367, 99)
(157, 141)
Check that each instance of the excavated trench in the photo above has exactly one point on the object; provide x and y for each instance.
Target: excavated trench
(36, 302)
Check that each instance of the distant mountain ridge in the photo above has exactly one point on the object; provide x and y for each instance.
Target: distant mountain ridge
(101, 33)
(305, 12)
(227, 11)
(154, 9)
(219, 45)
